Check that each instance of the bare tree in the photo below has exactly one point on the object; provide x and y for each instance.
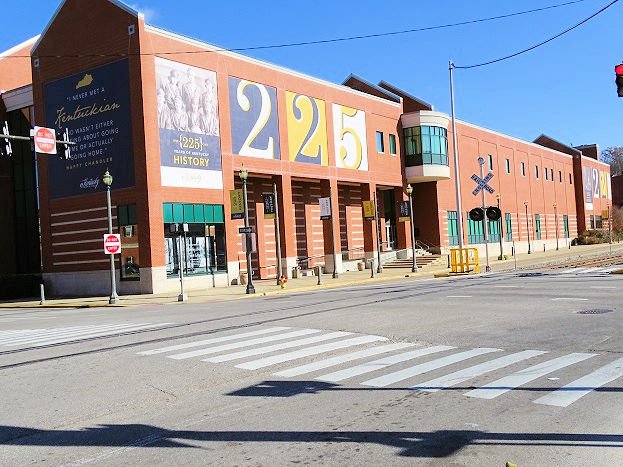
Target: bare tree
(613, 156)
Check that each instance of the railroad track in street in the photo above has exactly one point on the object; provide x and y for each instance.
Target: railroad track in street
(609, 260)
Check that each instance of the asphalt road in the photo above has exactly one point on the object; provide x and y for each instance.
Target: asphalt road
(464, 371)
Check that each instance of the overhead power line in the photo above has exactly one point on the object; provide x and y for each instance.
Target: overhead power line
(321, 41)
(540, 43)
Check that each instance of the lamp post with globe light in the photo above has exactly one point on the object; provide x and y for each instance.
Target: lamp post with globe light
(244, 175)
(114, 298)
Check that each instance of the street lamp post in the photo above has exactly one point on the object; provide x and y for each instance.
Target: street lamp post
(556, 222)
(244, 174)
(525, 203)
(498, 197)
(410, 193)
(114, 298)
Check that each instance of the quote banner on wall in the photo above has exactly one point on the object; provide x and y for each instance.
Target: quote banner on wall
(351, 149)
(405, 211)
(269, 206)
(94, 107)
(254, 119)
(588, 187)
(190, 146)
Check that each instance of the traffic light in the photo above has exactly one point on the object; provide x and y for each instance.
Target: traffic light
(493, 213)
(477, 214)
(618, 69)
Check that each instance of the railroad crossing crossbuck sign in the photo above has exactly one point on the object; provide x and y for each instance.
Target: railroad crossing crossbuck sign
(482, 183)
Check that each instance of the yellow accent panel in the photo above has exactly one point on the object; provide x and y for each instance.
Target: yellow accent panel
(307, 129)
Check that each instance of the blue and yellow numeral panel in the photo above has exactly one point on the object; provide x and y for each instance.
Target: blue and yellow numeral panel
(307, 129)
(351, 149)
(254, 119)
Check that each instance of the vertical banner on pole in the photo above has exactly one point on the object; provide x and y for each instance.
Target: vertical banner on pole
(269, 205)
(236, 198)
(368, 210)
(325, 208)
(405, 212)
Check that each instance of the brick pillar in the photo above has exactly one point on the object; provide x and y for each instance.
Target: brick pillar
(403, 229)
(287, 231)
(332, 247)
(369, 227)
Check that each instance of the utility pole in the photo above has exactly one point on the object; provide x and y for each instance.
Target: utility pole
(455, 150)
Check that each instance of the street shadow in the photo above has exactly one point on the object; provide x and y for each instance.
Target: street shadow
(289, 388)
(417, 444)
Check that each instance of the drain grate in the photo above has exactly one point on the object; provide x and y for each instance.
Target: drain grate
(594, 312)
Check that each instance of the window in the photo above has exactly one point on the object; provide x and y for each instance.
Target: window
(509, 227)
(570, 182)
(453, 230)
(598, 222)
(546, 174)
(523, 169)
(536, 171)
(425, 145)
(537, 226)
(392, 144)
(565, 225)
(560, 176)
(380, 144)
(494, 230)
(128, 228)
(507, 165)
(551, 174)
(592, 221)
(490, 162)
(202, 247)
(475, 233)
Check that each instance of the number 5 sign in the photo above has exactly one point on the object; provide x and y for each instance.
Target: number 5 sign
(350, 138)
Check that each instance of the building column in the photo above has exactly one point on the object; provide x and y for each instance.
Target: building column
(287, 228)
(332, 246)
(369, 227)
(403, 229)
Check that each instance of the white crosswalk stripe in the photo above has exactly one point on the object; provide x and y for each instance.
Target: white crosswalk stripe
(213, 340)
(42, 337)
(268, 361)
(499, 387)
(468, 373)
(259, 340)
(329, 362)
(280, 345)
(401, 375)
(380, 364)
(571, 392)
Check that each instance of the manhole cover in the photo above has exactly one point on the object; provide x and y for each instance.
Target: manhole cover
(594, 312)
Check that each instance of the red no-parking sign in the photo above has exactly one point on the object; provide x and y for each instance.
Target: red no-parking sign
(112, 244)
(45, 140)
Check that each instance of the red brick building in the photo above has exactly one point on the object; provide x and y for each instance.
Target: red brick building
(175, 119)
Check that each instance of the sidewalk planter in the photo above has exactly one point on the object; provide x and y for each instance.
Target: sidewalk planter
(243, 278)
(361, 266)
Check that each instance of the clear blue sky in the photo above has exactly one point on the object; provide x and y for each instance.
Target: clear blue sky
(564, 89)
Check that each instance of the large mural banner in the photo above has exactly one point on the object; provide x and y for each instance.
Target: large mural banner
(588, 187)
(254, 119)
(351, 148)
(94, 107)
(190, 145)
(307, 129)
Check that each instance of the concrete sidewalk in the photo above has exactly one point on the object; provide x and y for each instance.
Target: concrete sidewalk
(270, 287)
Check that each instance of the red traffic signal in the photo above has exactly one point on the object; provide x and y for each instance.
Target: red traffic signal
(618, 69)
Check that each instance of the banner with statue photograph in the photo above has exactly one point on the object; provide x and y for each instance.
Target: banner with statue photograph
(190, 145)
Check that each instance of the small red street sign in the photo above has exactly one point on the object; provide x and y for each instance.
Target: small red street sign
(112, 244)
(45, 140)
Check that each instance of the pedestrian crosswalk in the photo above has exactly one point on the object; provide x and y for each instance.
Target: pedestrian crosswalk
(590, 270)
(342, 357)
(22, 338)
